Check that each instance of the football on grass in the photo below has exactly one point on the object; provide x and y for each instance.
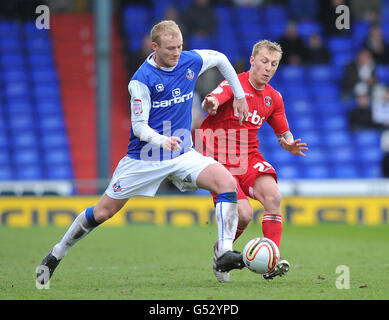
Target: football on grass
(261, 255)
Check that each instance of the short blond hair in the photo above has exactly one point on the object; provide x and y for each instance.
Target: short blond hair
(164, 27)
(269, 45)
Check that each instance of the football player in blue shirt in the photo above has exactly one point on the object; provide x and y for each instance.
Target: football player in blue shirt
(161, 147)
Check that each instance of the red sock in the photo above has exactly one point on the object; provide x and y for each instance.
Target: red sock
(272, 227)
(239, 231)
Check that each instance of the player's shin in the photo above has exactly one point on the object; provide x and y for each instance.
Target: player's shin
(227, 219)
(81, 226)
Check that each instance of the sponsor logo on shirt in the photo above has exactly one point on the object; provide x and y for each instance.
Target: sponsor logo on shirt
(159, 87)
(177, 98)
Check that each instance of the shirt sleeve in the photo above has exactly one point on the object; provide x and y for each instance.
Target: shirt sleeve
(223, 92)
(140, 101)
(278, 120)
(140, 110)
(212, 58)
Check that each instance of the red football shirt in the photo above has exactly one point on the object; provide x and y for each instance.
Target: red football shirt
(226, 140)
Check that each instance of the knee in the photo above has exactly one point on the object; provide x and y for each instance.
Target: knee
(272, 200)
(104, 212)
(226, 184)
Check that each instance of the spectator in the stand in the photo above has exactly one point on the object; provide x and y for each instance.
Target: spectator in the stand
(316, 52)
(138, 57)
(200, 19)
(292, 45)
(360, 117)
(359, 71)
(300, 10)
(328, 16)
(173, 14)
(365, 10)
(380, 109)
(375, 43)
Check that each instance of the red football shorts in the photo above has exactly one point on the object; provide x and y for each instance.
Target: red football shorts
(256, 166)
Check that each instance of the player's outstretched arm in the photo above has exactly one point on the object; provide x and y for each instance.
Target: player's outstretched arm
(295, 147)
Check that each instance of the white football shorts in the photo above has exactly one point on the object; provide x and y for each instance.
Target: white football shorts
(142, 178)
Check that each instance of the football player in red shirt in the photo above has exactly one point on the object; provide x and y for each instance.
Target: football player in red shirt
(236, 146)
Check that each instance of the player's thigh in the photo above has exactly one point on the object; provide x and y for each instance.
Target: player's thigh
(266, 191)
(106, 207)
(217, 179)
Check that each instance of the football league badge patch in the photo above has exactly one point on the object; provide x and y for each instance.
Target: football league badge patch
(137, 107)
(268, 101)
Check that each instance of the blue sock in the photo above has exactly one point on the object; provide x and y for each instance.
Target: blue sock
(90, 217)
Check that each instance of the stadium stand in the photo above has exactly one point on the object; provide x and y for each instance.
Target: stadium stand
(40, 81)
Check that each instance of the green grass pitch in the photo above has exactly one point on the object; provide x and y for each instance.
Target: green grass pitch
(144, 262)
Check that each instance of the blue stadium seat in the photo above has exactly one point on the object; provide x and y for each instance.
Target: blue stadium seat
(275, 30)
(197, 42)
(223, 13)
(366, 138)
(59, 172)
(9, 28)
(370, 171)
(304, 123)
(14, 75)
(17, 89)
(23, 121)
(4, 143)
(23, 139)
(275, 13)
(320, 74)
(319, 171)
(341, 59)
(28, 172)
(311, 137)
(288, 172)
(48, 106)
(345, 171)
(279, 156)
(44, 75)
(19, 105)
(292, 74)
(56, 156)
(334, 122)
(4, 157)
(359, 29)
(38, 45)
(370, 155)
(50, 122)
(325, 93)
(10, 61)
(337, 139)
(49, 90)
(316, 156)
(6, 173)
(54, 139)
(382, 73)
(11, 45)
(337, 44)
(26, 156)
(342, 154)
(308, 28)
(246, 14)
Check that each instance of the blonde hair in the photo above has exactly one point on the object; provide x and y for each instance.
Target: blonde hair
(269, 45)
(164, 27)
